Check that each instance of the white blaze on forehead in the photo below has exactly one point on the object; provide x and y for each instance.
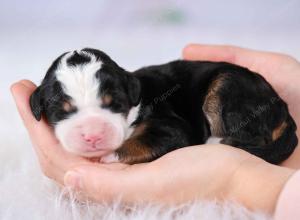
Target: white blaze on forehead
(79, 81)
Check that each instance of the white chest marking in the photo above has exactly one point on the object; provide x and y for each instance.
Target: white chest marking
(213, 140)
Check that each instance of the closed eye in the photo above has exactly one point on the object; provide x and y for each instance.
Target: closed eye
(115, 101)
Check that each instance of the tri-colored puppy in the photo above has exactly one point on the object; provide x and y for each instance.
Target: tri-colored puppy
(98, 109)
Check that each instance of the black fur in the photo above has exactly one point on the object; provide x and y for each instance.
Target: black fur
(172, 97)
(245, 97)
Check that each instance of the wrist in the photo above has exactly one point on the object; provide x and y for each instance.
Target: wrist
(257, 184)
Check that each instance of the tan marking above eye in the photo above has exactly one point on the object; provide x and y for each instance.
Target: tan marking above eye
(106, 99)
(67, 106)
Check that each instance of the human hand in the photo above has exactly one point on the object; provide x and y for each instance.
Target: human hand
(281, 71)
(215, 171)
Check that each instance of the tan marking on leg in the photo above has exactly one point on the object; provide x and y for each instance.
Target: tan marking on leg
(132, 150)
(277, 132)
(212, 106)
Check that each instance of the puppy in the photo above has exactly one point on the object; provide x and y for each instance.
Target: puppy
(98, 109)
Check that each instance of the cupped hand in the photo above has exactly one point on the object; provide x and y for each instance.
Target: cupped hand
(281, 71)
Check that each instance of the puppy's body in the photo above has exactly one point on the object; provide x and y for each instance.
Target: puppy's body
(140, 116)
(210, 99)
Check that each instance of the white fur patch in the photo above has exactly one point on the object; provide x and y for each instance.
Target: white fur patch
(133, 113)
(110, 158)
(80, 82)
(213, 140)
(64, 127)
(132, 116)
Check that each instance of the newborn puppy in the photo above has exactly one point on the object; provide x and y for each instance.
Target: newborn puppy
(98, 109)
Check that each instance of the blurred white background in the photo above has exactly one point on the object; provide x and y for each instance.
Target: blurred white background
(134, 32)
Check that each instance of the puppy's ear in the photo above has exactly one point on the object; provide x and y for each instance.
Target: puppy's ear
(134, 90)
(36, 103)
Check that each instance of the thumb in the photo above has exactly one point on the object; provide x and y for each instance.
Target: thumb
(106, 182)
(40, 132)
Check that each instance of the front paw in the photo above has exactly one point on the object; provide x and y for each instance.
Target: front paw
(110, 158)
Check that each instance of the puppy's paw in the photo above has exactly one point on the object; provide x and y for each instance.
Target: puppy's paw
(110, 158)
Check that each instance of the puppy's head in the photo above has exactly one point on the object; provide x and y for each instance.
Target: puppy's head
(89, 100)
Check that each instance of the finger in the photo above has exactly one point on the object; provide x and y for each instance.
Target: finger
(101, 183)
(71, 162)
(28, 83)
(40, 132)
(208, 52)
(236, 55)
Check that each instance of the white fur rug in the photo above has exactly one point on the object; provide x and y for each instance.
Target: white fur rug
(26, 194)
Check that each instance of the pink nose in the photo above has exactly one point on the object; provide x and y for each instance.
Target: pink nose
(91, 138)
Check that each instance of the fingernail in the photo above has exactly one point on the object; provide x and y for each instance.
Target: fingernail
(72, 179)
